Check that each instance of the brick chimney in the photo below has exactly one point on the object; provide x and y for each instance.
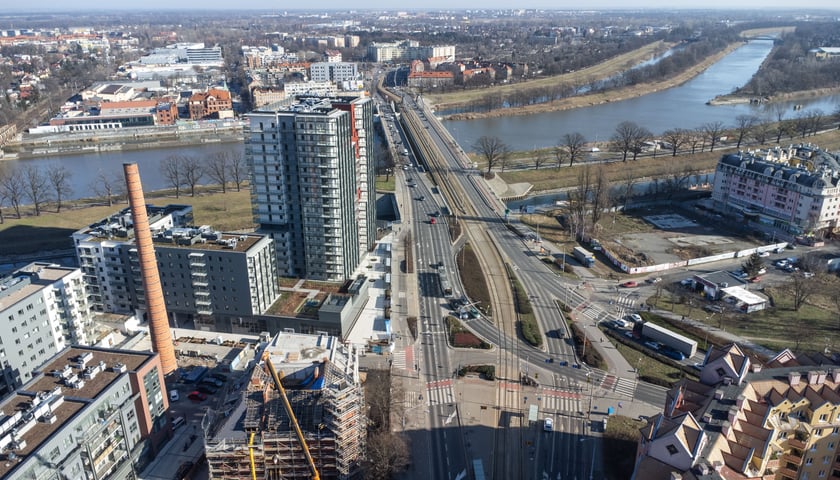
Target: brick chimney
(155, 305)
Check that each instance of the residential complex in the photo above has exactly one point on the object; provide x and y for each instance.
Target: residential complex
(793, 189)
(408, 50)
(204, 273)
(741, 420)
(88, 414)
(334, 71)
(321, 381)
(311, 164)
(43, 308)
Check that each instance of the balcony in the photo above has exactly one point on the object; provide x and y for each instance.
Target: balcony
(791, 458)
(796, 443)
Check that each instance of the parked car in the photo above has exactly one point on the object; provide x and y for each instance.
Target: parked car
(654, 280)
(197, 396)
(213, 382)
(807, 274)
(635, 318)
(549, 425)
(687, 282)
(652, 345)
(207, 389)
(629, 284)
(174, 396)
(675, 354)
(713, 308)
(764, 254)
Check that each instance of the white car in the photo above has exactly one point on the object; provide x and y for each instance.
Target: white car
(174, 396)
(764, 254)
(548, 426)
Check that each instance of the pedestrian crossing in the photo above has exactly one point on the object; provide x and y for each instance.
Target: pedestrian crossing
(626, 386)
(403, 359)
(560, 401)
(439, 392)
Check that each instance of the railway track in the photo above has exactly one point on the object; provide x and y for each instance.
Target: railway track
(508, 441)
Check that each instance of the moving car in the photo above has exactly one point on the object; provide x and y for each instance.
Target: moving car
(432, 221)
(629, 284)
(654, 280)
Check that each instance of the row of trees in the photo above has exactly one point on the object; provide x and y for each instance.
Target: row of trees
(630, 139)
(185, 171)
(30, 185)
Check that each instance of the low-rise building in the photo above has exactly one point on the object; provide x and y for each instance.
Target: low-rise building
(89, 413)
(336, 72)
(747, 421)
(43, 308)
(214, 103)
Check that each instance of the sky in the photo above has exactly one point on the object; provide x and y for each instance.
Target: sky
(278, 5)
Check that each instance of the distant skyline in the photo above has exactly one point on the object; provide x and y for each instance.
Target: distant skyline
(94, 5)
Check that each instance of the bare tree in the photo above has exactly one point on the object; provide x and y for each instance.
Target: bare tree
(600, 194)
(627, 183)
(802, 288)
(105, 186)
(218, 168)
(624, 138)
(679, 172)
(676, 138)
(641, 138)
(743, 125)
(59, 178)
(578, 203)
(238, 169)
(571, 147)
(193, 172)
(492, 150)
(712, 131)
(540, 159)
(172, 169)
(12, 187)
(761, 131)
(778, 111)
(816, 118)
(802, 124)
(36, 187)
(387, 455)
(694, 138)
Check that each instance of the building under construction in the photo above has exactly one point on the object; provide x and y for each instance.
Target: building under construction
(324, 437)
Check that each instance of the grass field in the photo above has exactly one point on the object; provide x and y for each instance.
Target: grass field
(51, 231)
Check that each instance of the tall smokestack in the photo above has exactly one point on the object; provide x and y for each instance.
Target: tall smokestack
(155, 305)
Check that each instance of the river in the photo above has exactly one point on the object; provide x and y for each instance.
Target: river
(683, 106)
(86, 168)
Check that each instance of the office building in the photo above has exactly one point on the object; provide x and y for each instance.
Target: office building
(89, 413)
(43, 308)
(208, 277)
(336, 72)
(742, 420)
(794, 189)
(321, 381)
(311, 164)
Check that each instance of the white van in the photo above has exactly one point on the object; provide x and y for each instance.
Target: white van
(178, 422)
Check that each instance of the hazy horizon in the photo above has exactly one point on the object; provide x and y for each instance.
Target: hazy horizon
(46, 6)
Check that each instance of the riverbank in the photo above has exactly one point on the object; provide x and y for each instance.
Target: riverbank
(616, 95)
(782, 97)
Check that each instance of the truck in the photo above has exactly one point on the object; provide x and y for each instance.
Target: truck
(670, 339)
(584, 256)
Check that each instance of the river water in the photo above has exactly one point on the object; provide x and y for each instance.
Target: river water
(683, 107)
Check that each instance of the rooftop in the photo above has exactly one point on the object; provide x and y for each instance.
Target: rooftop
(29, 280)
(48, 401)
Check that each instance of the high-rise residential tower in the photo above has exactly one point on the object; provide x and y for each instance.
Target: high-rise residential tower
(312, 172)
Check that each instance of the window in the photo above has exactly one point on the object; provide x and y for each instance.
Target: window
(672, 449)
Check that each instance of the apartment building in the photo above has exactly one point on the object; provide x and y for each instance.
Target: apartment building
(311, 164)
(89, 413)
(321, 381)
(794, 189)
(333, 71)
(43, 308)
(742, 420)
(207, 276)
(310, 88)
(408, 50)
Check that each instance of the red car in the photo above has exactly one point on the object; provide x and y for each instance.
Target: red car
(197, 396)
(629, 284)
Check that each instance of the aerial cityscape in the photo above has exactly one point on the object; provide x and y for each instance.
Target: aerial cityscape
(430, 241)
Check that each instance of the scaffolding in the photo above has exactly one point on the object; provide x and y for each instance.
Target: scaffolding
(259, 441)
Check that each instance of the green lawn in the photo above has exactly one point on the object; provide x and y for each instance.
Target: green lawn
(649, 368)
(385, 183)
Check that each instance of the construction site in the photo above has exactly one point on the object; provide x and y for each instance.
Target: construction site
(300, 415)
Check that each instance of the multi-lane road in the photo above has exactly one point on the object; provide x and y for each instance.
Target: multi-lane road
(547, 455)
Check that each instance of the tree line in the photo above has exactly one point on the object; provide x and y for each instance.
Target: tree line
(630, 140)
(41, 187)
